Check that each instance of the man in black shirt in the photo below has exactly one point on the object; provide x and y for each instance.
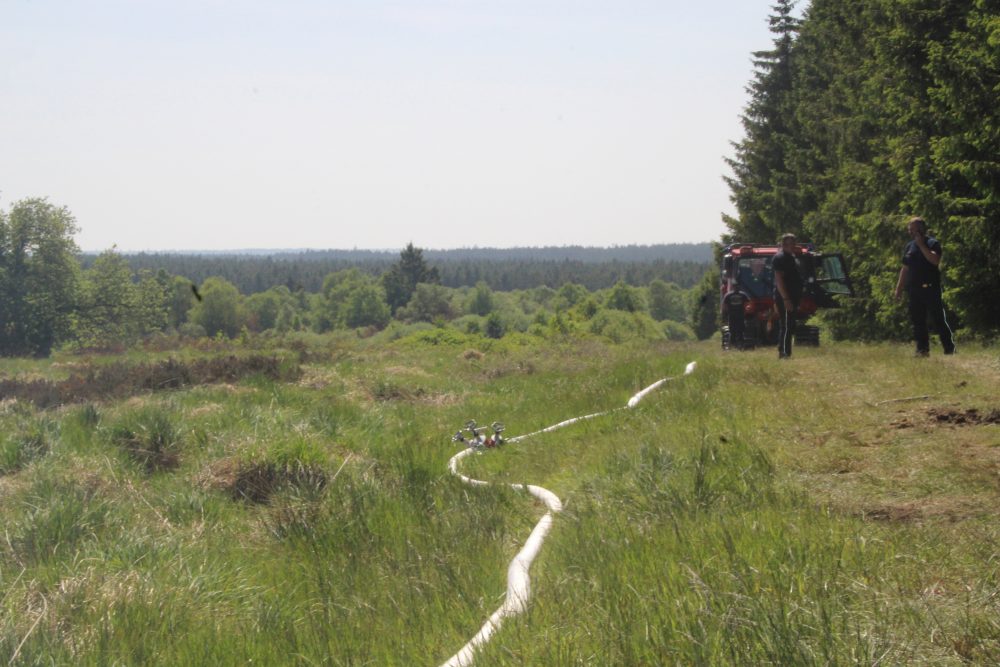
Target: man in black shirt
(921, 277)
(733, 305)
(787, 293)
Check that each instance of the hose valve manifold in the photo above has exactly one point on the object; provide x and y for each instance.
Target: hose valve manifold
(476, 435)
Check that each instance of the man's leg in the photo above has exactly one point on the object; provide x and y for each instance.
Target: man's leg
(736, 329)
(935, 306)
(786, 325)
(918, 317)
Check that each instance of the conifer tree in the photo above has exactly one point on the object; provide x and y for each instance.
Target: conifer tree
(762, 187)
(401, 281)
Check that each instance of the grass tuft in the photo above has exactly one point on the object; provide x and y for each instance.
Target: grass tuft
(149, 436)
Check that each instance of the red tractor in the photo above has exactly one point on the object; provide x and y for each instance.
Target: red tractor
(749, 315)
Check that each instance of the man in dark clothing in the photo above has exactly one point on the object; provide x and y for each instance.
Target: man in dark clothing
(921, 277)
(733, 305)
(787, 293)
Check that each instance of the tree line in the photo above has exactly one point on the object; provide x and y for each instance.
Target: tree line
(861, 115)
(501, 269)
(50, 298)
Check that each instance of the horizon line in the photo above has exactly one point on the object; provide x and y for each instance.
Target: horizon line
(247, 251)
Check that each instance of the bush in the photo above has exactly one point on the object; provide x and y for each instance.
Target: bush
(620, 326)
(437, 336)
(677, 332)
(470, 324)
(494, 327)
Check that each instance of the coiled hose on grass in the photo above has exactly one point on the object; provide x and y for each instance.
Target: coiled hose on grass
(518, 581)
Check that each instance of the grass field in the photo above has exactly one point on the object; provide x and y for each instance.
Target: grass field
(755, 512)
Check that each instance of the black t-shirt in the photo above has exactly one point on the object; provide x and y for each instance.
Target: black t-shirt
(922, 272)
(790, 270)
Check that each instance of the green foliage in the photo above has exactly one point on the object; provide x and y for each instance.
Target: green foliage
(666, 301)
(763, 187)
(619, 326)
(481, 300)
(114, 309)
(264, 308)
(429, 303)
(220, 310)
(366, 307)
(401, 281)
(625, 297)
(705, 307)
(180, 300)
(502, 269)
(864, 115)
(568, 295)
(38, 277)
(438, 336)
(494, 327)
(677, 331)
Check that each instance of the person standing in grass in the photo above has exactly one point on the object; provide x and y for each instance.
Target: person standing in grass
(733, 305)
(787, 293)
(921, 277)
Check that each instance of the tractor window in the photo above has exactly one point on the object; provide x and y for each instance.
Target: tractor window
(831, 276)
(755, 276)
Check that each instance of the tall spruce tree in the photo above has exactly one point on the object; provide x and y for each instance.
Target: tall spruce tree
(962, 186)
(763, 189)
(401, 281)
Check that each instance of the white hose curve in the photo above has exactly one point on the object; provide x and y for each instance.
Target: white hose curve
(518, 581)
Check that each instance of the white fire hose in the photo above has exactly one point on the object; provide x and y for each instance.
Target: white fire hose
(518, 581)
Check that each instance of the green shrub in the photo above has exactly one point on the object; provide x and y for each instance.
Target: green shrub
(494, 327)
(677, 332)
(620, 326)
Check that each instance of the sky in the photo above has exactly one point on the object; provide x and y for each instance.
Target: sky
(233, 124)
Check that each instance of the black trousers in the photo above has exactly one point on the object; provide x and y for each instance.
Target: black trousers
(925, 300)
(786, 326)
(736, 327)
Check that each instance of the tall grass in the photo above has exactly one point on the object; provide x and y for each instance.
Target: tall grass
(711, 525)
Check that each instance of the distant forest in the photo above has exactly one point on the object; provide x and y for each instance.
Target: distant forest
(502, 269)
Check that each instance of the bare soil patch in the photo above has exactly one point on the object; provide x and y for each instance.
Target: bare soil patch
(967, 417)
(948, 417)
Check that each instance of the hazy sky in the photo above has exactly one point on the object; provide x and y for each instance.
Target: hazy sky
(183, 124)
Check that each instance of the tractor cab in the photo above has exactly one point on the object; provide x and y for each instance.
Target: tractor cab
(748, 282)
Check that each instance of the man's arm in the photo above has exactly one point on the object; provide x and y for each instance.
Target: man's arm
(904, 274)
(930, 255)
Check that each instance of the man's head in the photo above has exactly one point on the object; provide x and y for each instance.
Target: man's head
(916, 226)
(788, 242)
